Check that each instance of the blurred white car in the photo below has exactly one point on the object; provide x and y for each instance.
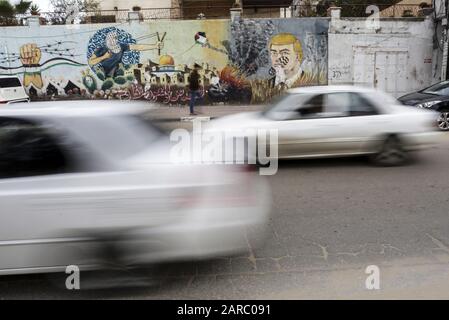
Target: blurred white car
(86, 182)
(11, 90)
(329, 121)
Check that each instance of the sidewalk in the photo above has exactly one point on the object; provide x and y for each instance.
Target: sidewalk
(175, 113)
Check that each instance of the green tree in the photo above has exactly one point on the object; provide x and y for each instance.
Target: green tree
(35, 10)
(6, 9)
(22, 7)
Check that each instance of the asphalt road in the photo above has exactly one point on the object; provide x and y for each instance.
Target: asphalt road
(331, 219)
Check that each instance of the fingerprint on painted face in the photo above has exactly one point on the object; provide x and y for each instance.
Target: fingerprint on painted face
(284, 60)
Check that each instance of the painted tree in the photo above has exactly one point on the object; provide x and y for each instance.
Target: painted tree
(248, 49)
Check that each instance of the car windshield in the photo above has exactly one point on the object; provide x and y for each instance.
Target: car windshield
(118, 137)
(9, 83)
(440, 89)
(285, 103)
(382, 98)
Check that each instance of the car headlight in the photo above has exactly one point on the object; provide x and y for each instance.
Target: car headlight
(427, 104)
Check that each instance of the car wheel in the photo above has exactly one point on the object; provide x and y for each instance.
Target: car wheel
(443, 121)
(391, 153)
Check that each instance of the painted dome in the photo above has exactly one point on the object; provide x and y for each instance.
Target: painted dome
(166, 60)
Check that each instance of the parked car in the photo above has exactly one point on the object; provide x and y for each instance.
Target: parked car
(435, 97)
(79, 180)
(11, 90)
(329, 121)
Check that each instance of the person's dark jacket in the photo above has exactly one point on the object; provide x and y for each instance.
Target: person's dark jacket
(194, 81)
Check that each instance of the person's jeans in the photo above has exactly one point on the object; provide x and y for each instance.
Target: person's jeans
(193, 95)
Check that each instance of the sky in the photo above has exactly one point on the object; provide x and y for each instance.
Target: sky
(44, 5)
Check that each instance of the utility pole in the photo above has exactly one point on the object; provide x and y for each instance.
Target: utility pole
(444, 25)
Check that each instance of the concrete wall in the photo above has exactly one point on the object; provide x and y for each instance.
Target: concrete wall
(396, 55)
(241, 61)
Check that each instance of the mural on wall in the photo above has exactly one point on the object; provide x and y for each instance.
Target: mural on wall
(244, 61)
(33, 59)
(278, 54)
(111, 50)
(115, 59)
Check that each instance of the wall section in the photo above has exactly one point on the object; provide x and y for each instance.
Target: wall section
(396, 56)
(242, 61)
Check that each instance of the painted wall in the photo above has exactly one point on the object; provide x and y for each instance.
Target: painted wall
(240, 62)
(395, 56)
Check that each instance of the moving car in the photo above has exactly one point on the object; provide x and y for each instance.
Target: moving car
(11, 90)
(79, 180)
(435, 97)
(329, 121)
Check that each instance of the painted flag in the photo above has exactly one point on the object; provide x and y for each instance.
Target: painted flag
(200, 37)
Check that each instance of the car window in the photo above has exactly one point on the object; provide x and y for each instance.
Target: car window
(441, 89)
(283, 106)
(9, 83)
(325, 106)
(29, 149)
(311, 108)
(336, 104)
(361, 106)
(115, 137)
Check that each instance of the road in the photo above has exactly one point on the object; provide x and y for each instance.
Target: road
(331, 219)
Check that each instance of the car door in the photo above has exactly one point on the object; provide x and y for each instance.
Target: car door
(296, 125)
(367, 121)
(53, 207)
(349, 124)
(315, 128)
(36, 174)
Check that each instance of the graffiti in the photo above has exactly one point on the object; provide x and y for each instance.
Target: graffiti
(230, 87)
(30, 55)
(27, 62)
(162, 94)
(248, 49)
(89, 81)
(274, 54)
(337, 73)
(108, 47)
(112, 51)
(241, 61)
(201, 39)
(286, 58)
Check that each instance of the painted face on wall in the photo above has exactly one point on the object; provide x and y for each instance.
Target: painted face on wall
(89, 81)
(284, 56)
(112, 42)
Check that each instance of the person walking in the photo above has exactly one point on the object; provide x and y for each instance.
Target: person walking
(194, 87)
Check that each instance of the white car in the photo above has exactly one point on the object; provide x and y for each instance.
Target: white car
(81, 179)
(329, 121)
(11, 90)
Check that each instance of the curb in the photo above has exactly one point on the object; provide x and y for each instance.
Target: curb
(181, 119)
